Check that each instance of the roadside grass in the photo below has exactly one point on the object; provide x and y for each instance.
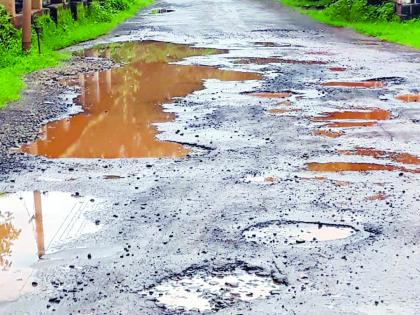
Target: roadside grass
(16, 64)
(401, 32)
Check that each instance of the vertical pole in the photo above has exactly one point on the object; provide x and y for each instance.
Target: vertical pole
(26, 25)
(39, 227)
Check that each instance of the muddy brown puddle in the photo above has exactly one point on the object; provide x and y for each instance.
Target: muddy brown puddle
(33, 224)
(356, 167)
(409, 98)
(355, 84)
(399, 157)
(354, 118)
(121, 105)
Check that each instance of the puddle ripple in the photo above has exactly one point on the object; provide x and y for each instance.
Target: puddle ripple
(198, 289)
(296, 232)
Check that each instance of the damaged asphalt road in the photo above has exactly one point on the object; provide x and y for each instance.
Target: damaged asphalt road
(291, 190)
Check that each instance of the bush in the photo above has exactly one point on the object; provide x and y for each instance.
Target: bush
(8, 33)
(98, 13)
(117, 5)
(9, 39)
(359, 11)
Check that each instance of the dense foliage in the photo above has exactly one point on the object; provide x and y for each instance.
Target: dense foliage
(9, 39)
(360, 11)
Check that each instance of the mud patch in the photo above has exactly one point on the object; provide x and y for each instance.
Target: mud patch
(33, 224)
(355, 84)
(203, 289)
(129, 99)
(296, 232)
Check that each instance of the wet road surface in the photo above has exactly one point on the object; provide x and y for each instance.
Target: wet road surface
(279, 173)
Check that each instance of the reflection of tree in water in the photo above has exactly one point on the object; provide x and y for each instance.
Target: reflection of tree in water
(122, 105)
(8, 234)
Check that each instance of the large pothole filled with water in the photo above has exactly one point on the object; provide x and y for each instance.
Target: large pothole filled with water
(33, 224)
(203, 289)
(296, 232)
(129, 99)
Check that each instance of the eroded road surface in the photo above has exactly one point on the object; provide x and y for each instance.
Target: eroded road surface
(215, 156)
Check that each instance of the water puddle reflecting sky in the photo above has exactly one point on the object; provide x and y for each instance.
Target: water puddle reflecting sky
(121, 105)
(296, 232)
(32, 224)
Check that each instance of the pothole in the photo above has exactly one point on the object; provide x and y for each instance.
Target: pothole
(112, 177)
(356, 167)
(267, 180)
(409, 98)
(351, 124)
(337, 69)
(162, 10)
(258, 60)
(283, 111)
(355, 84)
(268, 60)
(271, 44)
(354, 118)
(328, 133)
(202, 289)
(33, 224)
(296, 232)
(129, 98)
(271, 94)
(399, 157)
(377, 197)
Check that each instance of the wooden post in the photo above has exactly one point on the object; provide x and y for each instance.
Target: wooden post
(10, 7)
(36, 4)
(39, 226)
(26, 25)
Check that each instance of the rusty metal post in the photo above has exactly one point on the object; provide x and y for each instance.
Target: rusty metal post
(26, 25)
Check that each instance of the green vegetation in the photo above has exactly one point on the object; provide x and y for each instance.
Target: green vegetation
(92, 22)
(379, 21)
